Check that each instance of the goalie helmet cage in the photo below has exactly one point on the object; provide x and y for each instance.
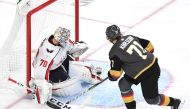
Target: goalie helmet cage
(34, 21)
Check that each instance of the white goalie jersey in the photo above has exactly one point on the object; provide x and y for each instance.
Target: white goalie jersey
(50, 57)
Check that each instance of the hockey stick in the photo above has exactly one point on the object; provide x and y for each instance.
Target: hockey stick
(87, 90)
(52, 102)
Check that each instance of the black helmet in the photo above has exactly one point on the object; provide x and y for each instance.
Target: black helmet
(112, 32)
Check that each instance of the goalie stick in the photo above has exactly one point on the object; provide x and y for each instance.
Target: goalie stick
(87, 90)
(52, 102)
(81, 94)
(55, 103)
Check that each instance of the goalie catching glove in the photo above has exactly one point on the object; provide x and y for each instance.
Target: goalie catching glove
(78, 49)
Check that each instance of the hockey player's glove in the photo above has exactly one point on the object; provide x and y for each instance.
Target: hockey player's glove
(111, 78)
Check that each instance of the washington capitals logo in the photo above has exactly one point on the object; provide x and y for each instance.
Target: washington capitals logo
(49, 51)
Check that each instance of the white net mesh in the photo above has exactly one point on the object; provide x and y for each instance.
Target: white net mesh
(43, 24)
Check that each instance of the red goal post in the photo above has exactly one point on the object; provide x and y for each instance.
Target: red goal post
(35, 20)
(29, 15)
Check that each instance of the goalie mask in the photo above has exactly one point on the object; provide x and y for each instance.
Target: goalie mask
(62, 35)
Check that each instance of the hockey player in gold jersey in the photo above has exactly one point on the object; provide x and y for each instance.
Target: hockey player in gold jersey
(134, 56)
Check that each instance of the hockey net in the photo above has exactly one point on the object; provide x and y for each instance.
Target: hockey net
(34, 21)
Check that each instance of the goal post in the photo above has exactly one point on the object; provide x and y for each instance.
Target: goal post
(29, 35)
(34, 21)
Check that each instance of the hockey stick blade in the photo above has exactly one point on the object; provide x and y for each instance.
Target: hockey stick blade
(56, 104)
(90, 88)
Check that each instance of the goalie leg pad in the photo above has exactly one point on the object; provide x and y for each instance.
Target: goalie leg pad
(67, 88)
(43, 90)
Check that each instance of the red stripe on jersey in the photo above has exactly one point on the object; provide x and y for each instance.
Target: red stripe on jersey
(48, 70)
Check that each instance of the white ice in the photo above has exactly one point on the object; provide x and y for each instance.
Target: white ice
(164, 22)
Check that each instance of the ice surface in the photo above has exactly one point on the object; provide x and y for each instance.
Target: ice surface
(164, 22)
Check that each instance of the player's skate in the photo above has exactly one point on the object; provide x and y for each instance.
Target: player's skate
(178, 104)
